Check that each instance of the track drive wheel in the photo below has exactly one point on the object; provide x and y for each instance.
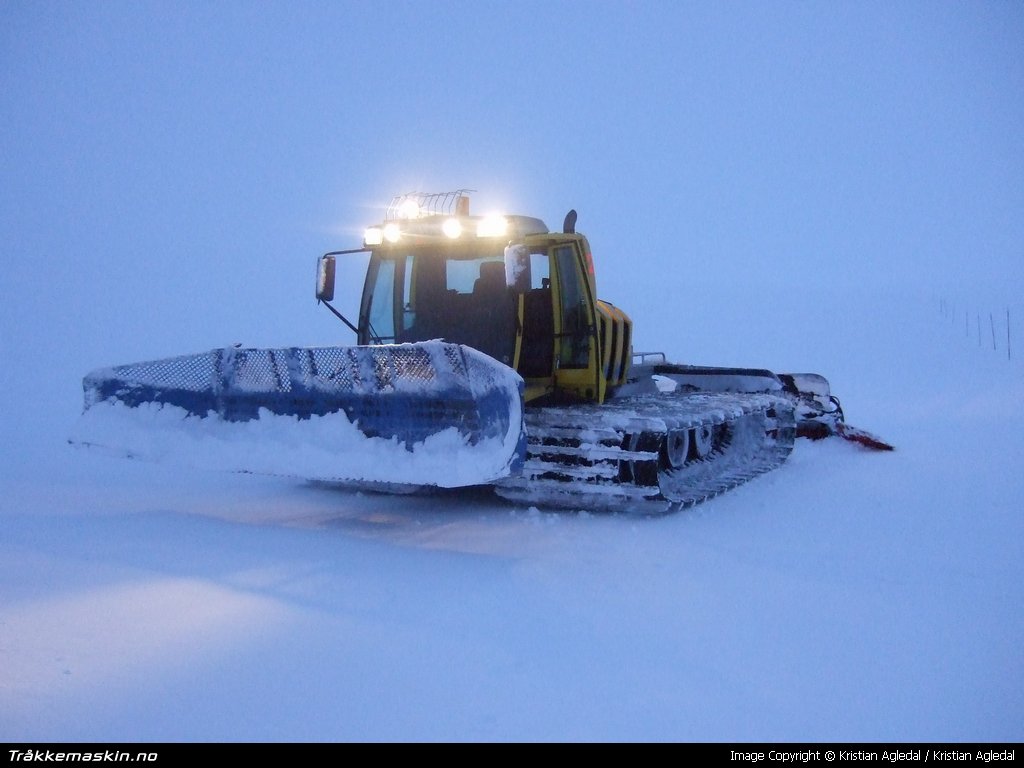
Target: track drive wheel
(676, 450)
(703, 441)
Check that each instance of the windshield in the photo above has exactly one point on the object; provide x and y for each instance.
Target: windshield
(455, 294)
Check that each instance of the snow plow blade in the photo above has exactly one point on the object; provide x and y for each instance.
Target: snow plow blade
(426, 414)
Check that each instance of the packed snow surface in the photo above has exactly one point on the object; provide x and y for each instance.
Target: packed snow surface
(849, 595)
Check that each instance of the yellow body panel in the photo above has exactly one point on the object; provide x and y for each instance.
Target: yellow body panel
(591, 340)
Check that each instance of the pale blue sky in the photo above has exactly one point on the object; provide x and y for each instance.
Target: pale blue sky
(170, 170)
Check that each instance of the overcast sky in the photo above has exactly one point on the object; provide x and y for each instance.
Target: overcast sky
(170, 170)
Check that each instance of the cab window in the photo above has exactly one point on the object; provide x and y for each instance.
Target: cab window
(574, 351)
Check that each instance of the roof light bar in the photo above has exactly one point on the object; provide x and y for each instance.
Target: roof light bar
(423, 218)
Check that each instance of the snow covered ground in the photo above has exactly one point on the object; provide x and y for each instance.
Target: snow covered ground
(849, 595)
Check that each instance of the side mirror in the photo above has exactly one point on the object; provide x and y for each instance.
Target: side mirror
(517, 267)
(325, 278)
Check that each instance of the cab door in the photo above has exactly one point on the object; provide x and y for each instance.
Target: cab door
(577, 355)
(557, 344)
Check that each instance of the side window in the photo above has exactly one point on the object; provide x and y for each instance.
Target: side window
(539, 270)
(382, 303)
(575, 350)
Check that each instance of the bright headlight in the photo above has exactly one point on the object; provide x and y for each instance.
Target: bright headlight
(492, 226)
(409, 209)
(392, 232)
(452, 228)
(373, 236)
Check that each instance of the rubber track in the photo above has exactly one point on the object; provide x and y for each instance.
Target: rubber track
(606, 458)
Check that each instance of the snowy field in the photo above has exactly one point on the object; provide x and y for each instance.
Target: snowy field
(849, 595)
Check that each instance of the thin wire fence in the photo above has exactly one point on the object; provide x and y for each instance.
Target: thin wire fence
(999, 324)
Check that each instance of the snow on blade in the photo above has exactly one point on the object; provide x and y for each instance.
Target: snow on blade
(426, 414)
(328, 447)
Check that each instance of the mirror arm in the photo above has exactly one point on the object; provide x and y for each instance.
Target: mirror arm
(339, 315)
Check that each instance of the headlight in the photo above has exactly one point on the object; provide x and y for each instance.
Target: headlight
(409, 209)
(373, 236)
(452, 228)
(492, 226)
(392, 232)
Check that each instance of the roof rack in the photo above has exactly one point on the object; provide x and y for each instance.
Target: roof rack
(413, 205)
